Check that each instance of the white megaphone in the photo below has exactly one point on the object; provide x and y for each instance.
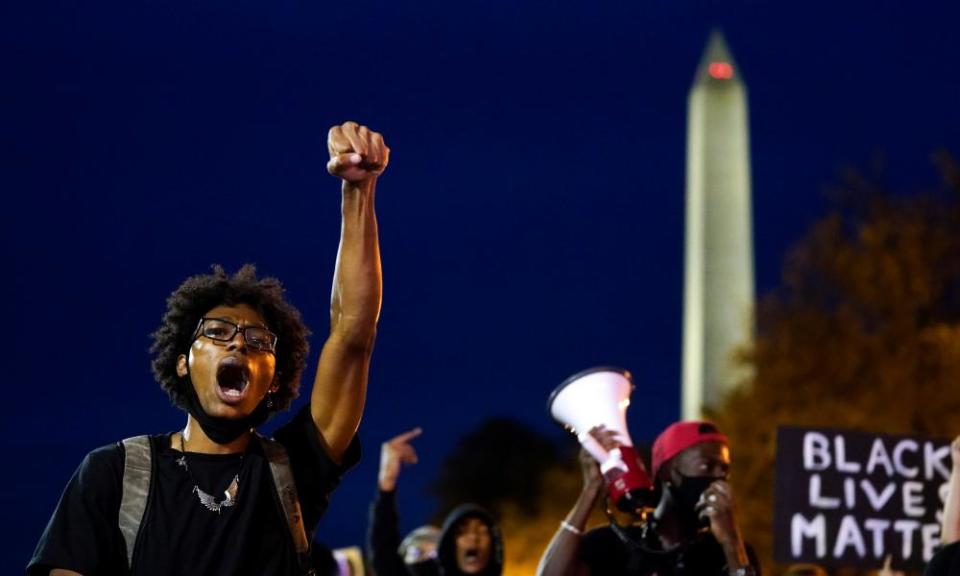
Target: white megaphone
(599, 397)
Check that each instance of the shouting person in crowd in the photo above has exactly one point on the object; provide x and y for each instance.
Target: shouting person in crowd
(692, 531)
(469, 542)
(386, 554)
(215, 497)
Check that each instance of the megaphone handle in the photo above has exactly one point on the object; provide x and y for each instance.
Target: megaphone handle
(591, 445)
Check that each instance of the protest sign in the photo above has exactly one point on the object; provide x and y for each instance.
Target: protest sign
(848, 498)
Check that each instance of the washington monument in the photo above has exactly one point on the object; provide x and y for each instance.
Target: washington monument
(718, 284)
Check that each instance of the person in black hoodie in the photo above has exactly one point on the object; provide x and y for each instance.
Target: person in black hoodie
(470, 543)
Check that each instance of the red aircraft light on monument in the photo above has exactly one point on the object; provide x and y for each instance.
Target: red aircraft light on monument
(720, 70)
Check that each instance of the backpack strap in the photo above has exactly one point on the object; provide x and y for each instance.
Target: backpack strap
(137, 468)
(286, 492)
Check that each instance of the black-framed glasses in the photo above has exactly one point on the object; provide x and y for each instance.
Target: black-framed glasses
(220, 330)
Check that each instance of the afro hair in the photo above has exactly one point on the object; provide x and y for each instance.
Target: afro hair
(200, 294)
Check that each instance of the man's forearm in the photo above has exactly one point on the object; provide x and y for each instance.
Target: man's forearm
(736, 555)
(340, 387)
(357, 284)
(561, 557)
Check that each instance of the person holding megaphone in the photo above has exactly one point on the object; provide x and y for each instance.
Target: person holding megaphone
(684, 522)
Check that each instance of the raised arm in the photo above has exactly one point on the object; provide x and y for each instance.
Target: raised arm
(562, 557)
(358, 156)
(383, 537)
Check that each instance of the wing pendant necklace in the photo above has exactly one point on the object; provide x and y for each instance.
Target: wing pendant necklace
(208, 501)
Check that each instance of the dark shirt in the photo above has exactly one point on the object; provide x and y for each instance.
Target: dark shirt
(946, 562)
(606, 554)
(178, 534)
(383, 537)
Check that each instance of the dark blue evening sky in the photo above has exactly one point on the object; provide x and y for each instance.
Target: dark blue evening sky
(531, 218)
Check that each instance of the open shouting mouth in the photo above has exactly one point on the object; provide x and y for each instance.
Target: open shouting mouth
(472, 560)
(233, 379)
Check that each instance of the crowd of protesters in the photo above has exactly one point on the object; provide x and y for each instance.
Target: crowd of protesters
(230, 353)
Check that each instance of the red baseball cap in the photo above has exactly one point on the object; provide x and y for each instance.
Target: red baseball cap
(682, 435)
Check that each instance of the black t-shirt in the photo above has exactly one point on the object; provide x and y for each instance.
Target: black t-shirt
(383, 536)
(178, 534)
(946, 562)
(606, 554)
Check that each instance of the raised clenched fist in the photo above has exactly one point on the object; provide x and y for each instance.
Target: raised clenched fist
(357, 154)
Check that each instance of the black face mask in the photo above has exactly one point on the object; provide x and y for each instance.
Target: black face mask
(687, 494)
(223, 430)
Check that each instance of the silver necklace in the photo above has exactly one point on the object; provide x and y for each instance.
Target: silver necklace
(208, 500)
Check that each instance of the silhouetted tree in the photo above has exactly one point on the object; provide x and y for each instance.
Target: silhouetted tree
(863, 333)
(502, 461)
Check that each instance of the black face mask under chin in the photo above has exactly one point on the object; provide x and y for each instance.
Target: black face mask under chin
(223, 430)
(686, 495)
